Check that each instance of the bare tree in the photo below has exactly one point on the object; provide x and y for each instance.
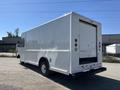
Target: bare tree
(9, 34)
(16, 32)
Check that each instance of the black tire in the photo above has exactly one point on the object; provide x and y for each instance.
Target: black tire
(44, 68)
(18, 56)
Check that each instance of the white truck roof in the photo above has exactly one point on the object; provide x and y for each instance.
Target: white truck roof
(69, 13)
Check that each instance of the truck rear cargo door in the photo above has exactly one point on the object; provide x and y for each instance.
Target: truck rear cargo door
(87, 40)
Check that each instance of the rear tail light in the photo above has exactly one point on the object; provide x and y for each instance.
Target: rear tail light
(76, 44)
(99, 46)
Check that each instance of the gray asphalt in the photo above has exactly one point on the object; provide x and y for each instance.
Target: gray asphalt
(14, 76)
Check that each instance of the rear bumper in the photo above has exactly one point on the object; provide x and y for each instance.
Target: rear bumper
(93, 71)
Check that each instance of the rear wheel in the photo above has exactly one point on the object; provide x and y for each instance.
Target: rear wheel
(44, 68)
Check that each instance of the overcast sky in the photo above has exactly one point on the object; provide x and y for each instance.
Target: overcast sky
(27, 14)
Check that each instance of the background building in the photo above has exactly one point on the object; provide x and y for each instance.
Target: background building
(8, 44)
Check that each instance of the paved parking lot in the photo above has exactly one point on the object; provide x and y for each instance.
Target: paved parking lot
(14, 76)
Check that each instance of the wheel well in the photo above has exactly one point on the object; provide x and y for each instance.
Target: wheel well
(43, 59)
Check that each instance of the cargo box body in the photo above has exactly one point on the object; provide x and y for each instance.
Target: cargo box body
(113, 49)
(71, 43)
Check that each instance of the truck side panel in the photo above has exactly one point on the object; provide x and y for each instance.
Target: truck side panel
(51, 40)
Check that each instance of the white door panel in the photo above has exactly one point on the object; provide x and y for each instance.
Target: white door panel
(87, 39)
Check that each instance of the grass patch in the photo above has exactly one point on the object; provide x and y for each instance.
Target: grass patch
(7, 56)
(110, 59)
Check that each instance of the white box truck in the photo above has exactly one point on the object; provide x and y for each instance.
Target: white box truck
(113, 49)
(70, 44)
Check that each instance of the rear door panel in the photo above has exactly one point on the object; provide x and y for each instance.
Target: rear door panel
(87, 40)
